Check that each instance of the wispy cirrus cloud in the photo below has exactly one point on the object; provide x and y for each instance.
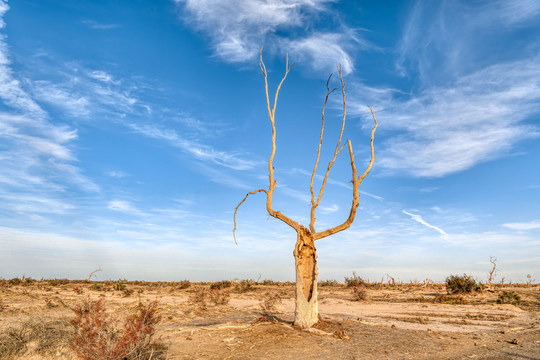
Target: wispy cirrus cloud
(36, 158)
(447, 130)
(421, 220)
(523, 226)
(468, 103)
(232, 160)
(239, 27)
(84, 94)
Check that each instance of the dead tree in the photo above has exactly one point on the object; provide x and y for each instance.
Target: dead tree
(492, 272)
(305, 254)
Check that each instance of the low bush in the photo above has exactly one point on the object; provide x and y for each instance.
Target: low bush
(270, 302)
(96, 337)
(267, 282)
(460, 284)
(450, 299)
(508, 297)
(328, 283)
(354, 281)
(221, 284)
(45, 337)
(359, 293)
(184, 284)
(244, 286)
(219, 296)
(202, 296)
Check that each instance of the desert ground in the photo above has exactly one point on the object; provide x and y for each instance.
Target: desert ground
(253, 320)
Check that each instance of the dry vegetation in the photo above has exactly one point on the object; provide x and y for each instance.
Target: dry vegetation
(62, 319)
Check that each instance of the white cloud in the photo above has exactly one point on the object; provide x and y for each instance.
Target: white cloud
(324, 51)
(238, 28)
(74, 105)
(232, 160)
(523, 226)
(515, 12)
(122, 206)
(420, 220)
(4, 7)
(117, 174)
(101, 76)
(479, 117)
(329, 209)
(36, 158)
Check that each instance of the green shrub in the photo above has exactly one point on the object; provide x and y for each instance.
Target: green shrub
(460, 284)
(508, 297)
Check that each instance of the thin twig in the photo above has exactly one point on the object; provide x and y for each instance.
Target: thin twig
(236, 210)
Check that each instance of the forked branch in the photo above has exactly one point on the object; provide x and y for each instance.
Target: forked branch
(356, 184)
(272, 182)
(315, 204)
(356, 180)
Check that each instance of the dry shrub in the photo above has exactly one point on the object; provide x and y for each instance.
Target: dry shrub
(98, 338)
(355, 281)
(184, 284)
(270, 302)
(198, 297)
(328, 283)
(450, 299)
(244, 286)
(201, 296)
(219, 297)
(359, 293)
(48, 337)
(221, 285)
(12, 342)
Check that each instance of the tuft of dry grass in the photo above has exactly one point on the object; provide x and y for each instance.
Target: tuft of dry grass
(47, 335)
(270, 302)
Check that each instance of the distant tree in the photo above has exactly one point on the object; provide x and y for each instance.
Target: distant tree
(493, 271)
(305, 254)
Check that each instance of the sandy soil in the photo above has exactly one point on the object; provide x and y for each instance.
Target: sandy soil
(395, 322)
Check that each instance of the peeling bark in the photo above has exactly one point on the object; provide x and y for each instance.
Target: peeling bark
(305, 255)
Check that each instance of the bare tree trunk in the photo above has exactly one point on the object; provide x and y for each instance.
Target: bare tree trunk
(306, 312)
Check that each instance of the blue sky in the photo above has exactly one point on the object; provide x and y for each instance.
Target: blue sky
(130, 130)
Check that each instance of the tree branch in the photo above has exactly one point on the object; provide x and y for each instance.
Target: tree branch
(315, 204)
(236, 210)
(328, 92)
(356, 184)
(271, 114)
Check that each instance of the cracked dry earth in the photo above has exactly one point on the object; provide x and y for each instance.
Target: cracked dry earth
(400, 322)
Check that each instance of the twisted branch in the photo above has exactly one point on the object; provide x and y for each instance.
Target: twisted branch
(236, 210)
